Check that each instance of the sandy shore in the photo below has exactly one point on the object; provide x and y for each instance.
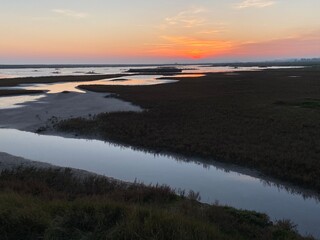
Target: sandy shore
(34, 115)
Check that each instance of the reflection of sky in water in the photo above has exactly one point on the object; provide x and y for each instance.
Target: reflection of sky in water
(15, 101)
(228, 187)
(189, 71)
(73, 86)
(51, 88)
(76, 71)
(32, 72)
(137, 82)
(54, 87)
(190, 75)
(39, 72)
(7, 76)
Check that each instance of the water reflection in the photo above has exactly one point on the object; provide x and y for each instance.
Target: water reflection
(190, 75)
(243, 173)
(53, 88)
(73, 86)
(7, 76)
(136, 80)
(18, 101)
(98, 70)
(230, 185)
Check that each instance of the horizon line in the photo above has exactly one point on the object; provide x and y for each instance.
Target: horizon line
(155, 64)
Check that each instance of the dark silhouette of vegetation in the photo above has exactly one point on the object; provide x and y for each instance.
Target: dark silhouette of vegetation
(10, 82)
(230, 118)
(14, 92)
(53, 204)
(304, 103)
(158, 70)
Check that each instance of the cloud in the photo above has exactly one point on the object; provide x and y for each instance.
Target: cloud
(193, 21)
(188, 19)
(70, 13)
(255, 4)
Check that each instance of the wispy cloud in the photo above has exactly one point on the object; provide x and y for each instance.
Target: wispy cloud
(255, 4)
(70, 13)
(189, 18)
(192, 20)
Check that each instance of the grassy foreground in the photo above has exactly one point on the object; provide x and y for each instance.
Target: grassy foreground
(53, 204)
(268, 120)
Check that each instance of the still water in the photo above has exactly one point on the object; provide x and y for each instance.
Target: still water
(221, 183)
(80, 71)
(129, 80)
(53, 88)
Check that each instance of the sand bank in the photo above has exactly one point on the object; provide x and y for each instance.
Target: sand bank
(33, 115)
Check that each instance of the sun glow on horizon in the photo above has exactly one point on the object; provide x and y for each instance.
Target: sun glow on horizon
(161, 30)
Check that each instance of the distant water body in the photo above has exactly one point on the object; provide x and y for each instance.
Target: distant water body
(14, 71)
(20, 71)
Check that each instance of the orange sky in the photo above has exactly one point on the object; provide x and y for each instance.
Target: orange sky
(158, 31)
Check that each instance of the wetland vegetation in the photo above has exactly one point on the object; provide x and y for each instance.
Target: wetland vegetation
(232, 118)
(54, 204)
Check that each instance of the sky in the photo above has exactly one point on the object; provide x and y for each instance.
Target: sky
(157, 31)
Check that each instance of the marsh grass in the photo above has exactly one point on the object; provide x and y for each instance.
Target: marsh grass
(229, 118)
(304, 103)
(53, 204)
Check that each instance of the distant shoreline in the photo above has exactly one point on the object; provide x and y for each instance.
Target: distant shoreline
(305, 62)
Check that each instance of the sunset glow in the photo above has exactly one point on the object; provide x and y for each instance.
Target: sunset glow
(81, 31)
